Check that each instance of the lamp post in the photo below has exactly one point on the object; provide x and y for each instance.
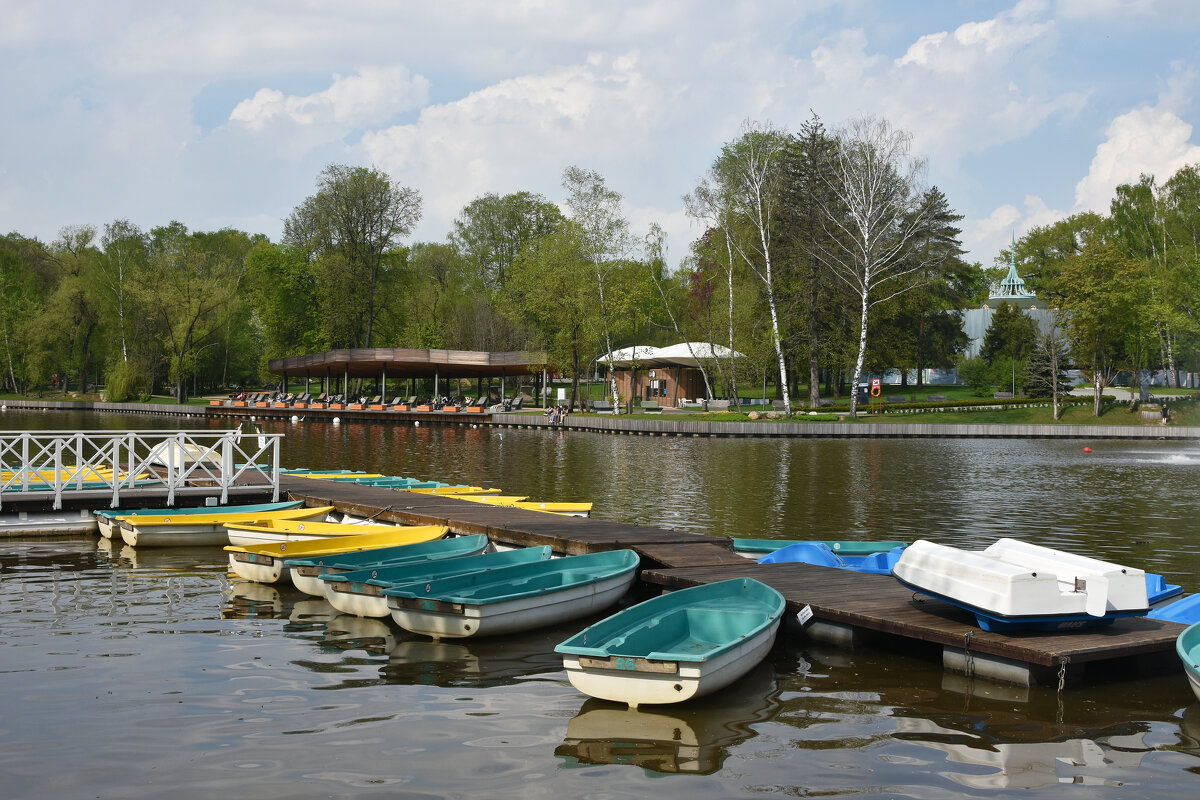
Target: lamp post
(197, 358)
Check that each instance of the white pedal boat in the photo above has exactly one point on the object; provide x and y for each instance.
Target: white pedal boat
(1014, 586)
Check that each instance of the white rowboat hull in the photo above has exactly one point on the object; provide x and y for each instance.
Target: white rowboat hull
(455, 620)
(686, 680)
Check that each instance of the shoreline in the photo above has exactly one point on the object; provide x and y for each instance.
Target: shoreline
(643, 424)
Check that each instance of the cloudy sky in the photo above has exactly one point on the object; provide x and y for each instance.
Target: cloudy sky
(222, 114)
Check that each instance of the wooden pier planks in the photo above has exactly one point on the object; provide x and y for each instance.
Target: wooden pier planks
(880, 603)
(675, 560)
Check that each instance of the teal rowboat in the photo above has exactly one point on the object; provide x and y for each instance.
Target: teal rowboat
(361, 592)
(109, 527)
(306, 572)
(1188, 647)
(760, 547)
(513, 599)
(676, 646)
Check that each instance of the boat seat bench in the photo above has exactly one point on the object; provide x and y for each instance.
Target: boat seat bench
(694, 630)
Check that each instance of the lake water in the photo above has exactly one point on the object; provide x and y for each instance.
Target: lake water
(145, 673)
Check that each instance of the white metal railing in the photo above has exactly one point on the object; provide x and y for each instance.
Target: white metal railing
(108, 462)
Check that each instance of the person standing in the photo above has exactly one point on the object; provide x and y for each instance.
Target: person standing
(1166, 414)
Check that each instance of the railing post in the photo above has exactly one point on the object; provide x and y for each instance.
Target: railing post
(275, 470)
(226, 465)
(24, 462)
(58, 478)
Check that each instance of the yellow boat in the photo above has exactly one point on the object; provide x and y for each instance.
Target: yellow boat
(455, 490)
(495, 499)
(325, 476)
(168, 530)
(512, 501)
(264, 563)
(286, 530)
(569, 509)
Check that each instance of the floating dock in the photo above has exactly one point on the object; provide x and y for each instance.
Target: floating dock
(838, 606)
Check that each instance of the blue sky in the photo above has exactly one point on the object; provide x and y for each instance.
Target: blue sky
(223, 113)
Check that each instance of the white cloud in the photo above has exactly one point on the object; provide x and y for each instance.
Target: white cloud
(520, 134)
(985, 238)
(371, 96)
(1150, 140)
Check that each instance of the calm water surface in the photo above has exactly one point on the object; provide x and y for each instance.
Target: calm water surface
(134, 673)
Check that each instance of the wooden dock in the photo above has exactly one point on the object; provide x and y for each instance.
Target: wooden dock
(847, 607)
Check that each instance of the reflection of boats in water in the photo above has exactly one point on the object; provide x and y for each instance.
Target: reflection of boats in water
(349, 632)
(475, 662)
(689, 738)
(1189, 730)
(257, 600)
(1024, 765)
(309, 613)
(192, 560)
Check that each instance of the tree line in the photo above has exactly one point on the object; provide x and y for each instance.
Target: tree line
(824, 257)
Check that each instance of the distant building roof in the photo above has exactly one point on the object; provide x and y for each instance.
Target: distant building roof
(684, 354)
(1012, 289)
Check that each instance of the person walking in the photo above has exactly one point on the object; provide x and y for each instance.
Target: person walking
(1166, 414)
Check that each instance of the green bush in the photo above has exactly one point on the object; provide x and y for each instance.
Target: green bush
(126, 382)
(976, 373)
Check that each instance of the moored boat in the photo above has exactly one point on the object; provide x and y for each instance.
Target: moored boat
(297, 530)
(110, 527)
(1017, 586)
(756, 548)
(265, 563)
(171, 530)
(512, 599)
(1188, 648)
(306, 571)
(1185, 610)
(822, 555)
(676, 646)
(362, 592)
(516, 501)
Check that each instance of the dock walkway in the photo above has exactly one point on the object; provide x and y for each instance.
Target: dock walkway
(847, 607)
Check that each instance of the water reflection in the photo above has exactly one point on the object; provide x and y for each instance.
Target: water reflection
(1023, 765)
(495, 661)
(692, 737)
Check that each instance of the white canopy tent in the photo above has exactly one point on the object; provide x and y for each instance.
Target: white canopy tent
(677, 355)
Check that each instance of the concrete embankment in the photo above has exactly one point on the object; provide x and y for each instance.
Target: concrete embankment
(645, 424)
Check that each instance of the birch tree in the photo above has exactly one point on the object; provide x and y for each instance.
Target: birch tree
(875, 213)
(749, 171)
(656, 258)
(606, 239)
(124, 246)
(710, 204)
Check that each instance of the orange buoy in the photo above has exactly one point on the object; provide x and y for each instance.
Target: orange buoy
(1087, 449)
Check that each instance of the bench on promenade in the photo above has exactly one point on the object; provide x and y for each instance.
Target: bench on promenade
(1002, 396)
(896, 398)
(650, 407)
(936, 398)
(602, 407)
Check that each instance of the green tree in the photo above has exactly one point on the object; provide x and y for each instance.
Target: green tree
(188, 290)
(604, 240)
(492, 230)
(25, 272)
(351, 225)
(552, 286)
(1099, 299)
(283, 293)
(1010, 337)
